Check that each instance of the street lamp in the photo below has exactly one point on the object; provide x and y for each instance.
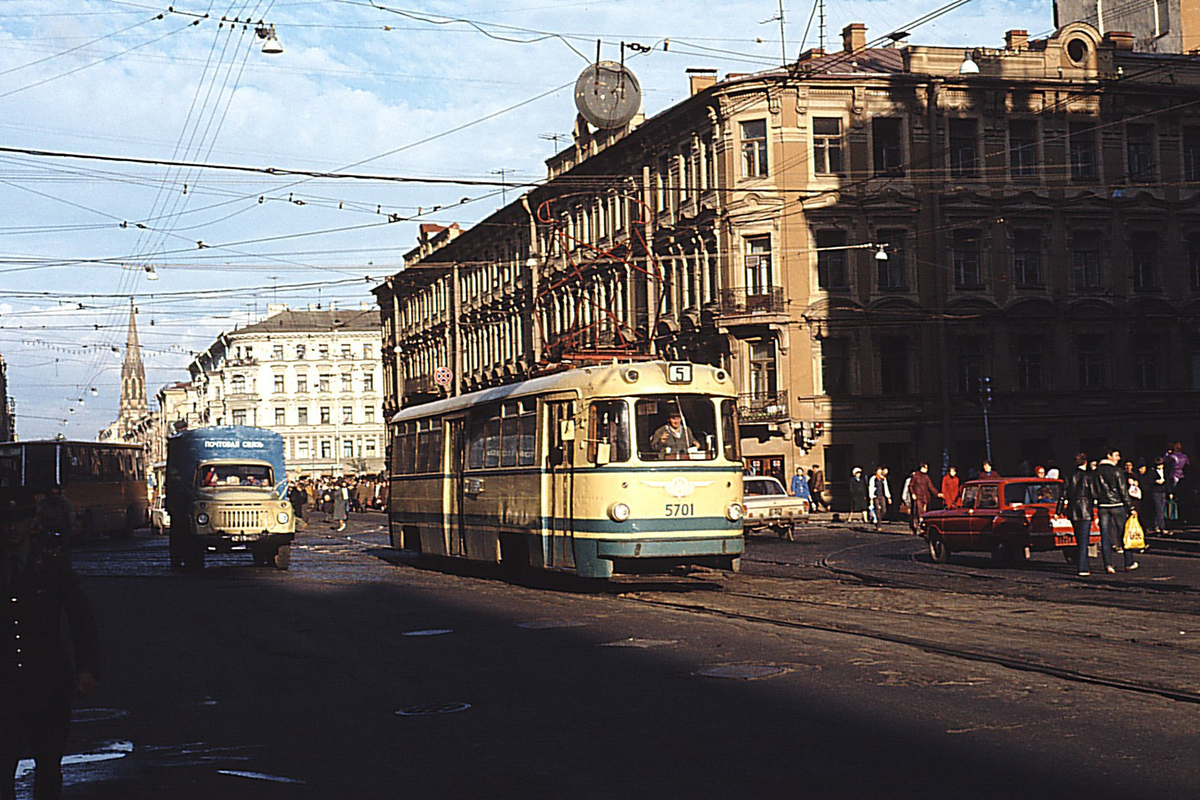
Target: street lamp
(880, 249)
(272, 47)
(985, 399)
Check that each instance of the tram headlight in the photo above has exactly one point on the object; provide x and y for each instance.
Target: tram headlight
(282, 517)
(735, 512)
(202, 518)
(619, 512)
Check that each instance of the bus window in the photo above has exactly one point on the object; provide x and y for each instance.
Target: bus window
(609, 424)
(676, 427)
(729, 431)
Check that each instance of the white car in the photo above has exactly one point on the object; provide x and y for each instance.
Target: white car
(160, 520)
(769, 506)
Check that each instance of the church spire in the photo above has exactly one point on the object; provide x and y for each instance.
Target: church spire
(133, 380)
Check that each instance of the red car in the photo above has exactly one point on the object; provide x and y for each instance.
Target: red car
(1007, 517)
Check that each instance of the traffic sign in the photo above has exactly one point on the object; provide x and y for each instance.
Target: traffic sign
(442, 376)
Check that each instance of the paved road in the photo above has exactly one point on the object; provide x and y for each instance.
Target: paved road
(842, 665)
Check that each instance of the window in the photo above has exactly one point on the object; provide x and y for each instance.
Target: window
(758, 265)
(346, 350)
(1139, 152)
(970, 363)
(893, 276)
(1091, 361)
(1193, 245)
(323, 350)
(1082, 140)
(369, 413)
(608, 424)
(326, 448)
(347, 383)
(1145, 360)
(324, 381)
(893, 364)
(302, 449)
(1191, 154)
(827, 145)
(964, 148)
(1027, 258)
(237, 385)
(1022, 148)
(368, 381)
(347, 448)
(762, 370)
(754, 149)
(835, 366)
(302, 384)
(367, 351)
(1143, 260)
(968, 270)
(302, 415)
(277, 352)
(239, 416)
(279, 384)
(347, 415)
(326, 418)
(429, 446)
(280, 416)
(886, 148)
(300, 352)
(370, 443)
(695, 436)
(831, 264)
(1085, 260)
(1028, 350)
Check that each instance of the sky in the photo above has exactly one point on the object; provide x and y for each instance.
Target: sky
(455, 98)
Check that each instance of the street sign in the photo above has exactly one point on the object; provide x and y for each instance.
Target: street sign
(442, 376)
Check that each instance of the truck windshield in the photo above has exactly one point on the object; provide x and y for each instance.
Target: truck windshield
(676, 427)
(235, 475)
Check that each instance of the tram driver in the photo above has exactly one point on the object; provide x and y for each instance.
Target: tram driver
(673, 440)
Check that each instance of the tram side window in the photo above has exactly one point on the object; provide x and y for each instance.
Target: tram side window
(609, 424)
(527, 450)
(491, 443)
(429, 446)
(673, 427)
(406, 443)
(729, 431)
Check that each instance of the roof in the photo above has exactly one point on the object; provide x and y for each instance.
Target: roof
(307, 321)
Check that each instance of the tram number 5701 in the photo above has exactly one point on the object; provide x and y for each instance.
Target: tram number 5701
(680, 509)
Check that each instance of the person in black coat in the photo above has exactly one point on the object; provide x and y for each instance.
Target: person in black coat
(1079, 502)
(860, 503)
(37, 679)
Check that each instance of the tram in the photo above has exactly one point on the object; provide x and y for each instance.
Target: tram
(623, 468)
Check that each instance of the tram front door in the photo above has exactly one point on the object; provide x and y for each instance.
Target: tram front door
(456, 452)
(559, 464)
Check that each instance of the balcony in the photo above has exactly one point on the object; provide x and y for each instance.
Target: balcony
(744, 302)
(755, 408)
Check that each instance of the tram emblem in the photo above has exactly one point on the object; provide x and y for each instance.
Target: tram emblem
(678, 487)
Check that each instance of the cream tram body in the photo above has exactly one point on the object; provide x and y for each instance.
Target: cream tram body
(559, 472)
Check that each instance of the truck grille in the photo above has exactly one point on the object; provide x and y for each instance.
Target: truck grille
(240, 518)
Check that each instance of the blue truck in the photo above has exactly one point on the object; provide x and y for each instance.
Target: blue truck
(227, 491)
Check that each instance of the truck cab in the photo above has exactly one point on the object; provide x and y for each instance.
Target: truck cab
(226, 491)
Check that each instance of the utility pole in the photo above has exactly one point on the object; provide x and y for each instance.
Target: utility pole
(782, 43)
(821, 23)
(985, 399)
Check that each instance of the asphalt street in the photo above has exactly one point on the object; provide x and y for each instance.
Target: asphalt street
(845, 664)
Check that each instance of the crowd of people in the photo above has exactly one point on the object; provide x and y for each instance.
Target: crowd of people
(336, 497)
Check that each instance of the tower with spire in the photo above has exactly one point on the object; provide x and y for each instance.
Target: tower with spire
(134, 405)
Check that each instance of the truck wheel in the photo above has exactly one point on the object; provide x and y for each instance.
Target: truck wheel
(937, 548)
(282, 558)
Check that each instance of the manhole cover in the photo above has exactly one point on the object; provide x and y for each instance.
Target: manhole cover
(746, 672)
(97, 714)
(541, 624)
(430, 710)
(429, 632)
(643, 643)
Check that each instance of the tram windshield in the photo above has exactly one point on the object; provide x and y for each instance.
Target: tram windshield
(676, 427)
(235, 475)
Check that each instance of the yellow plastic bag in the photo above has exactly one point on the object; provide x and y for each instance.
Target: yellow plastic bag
(1135, 537)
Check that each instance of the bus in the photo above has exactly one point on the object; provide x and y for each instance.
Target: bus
(569, 471)
(104, 482)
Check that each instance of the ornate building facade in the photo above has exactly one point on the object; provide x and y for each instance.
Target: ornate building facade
(876, 243)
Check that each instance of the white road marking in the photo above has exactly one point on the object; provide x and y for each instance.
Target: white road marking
(429, 632)
(257, 776)
(108, 752)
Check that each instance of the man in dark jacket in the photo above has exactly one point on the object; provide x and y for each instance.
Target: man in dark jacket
(922, 491)
(1080, 500)
(38, 587)
(1115, 505)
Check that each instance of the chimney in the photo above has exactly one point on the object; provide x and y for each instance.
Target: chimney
(701, 78)
(1120, 40)
(854, 37)
(1016, 39)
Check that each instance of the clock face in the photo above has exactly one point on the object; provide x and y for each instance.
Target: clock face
(607, 94)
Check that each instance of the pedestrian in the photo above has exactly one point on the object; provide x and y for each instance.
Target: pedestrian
(816, 487)
(800, 486)
(922, 491)
(1115, 505)
(1156, 487)
(1079, 500)
(1052, 470)
(950, 485)
(881, 495)
(987, 472)
(37, 678)
(341, 501)
(1176, 461)
(362, 494)
(56, 515)
(860, 500)
(298, 498)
